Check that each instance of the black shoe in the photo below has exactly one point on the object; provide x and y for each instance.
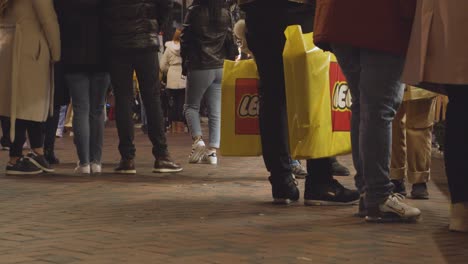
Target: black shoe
(50, 157)
(419, 191)
(338, 169)
(166, 164)
(40, 161)
(332, 193)
(126, 167)
(22, 167)
(285, 190)
(362, 211)
(399, 187)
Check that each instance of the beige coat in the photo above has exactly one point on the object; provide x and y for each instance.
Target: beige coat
(438, 50)
(29, 44)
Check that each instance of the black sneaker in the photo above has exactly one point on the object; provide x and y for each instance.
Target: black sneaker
(285, 190)
(40, 161)
(338, 169)
(22, 167)
(329, 194)
(399, 187)
(166, 164)
(50, 157)
(126, 167)
(419, 191)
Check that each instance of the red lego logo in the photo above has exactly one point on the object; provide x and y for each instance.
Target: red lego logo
(247, 107)
(340, 100)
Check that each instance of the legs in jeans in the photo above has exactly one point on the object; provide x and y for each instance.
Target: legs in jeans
(204, 83)
(456, 143)
(88, 95)
(412, 132)
(146, 66)
(373, 78)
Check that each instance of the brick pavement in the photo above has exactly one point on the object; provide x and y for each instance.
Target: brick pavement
(205, 214)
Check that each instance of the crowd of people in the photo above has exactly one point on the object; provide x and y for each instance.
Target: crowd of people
(58, 51)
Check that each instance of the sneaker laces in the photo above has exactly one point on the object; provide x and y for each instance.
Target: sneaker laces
(397, 196)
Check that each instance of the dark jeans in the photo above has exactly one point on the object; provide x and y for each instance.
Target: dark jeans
(456, 143)
(147, 69)
(176, 104)
(35, 134)
(50, 129)
(5, 123)
(266, 40)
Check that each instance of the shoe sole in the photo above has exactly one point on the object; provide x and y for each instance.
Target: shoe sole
(197, 154)
(393, 218)
(420, 197)
(167, 170)
(125, 172)
(37, 164)
(328, 203)
(283, 201)
(9, 172)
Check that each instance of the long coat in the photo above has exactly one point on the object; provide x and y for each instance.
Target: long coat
(29, 44)
(171, 63)
(438, 50)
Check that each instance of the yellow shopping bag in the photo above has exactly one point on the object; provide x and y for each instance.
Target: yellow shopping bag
(318, 99)
(239, 110)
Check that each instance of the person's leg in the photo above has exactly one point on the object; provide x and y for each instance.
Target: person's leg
(5, 141)
(456, 142)
(99, 84)
(198, 82)
(50, 133)
(420, 120)
(121, 73)
(36, 134)
(180, 101)
(79, 85)
(398, 161)
(213, 100)
(61, 123)
(18, 165)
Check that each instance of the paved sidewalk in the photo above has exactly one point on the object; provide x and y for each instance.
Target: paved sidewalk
(206, 214)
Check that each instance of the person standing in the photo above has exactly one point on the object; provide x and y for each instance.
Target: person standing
(131, 32)
(266, 39)
(86, 76)
(373, 64)
(31, 44)
(171, 64)
(438, 59)
(206, 40)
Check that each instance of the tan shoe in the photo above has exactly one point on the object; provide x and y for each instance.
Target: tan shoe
(459, 217)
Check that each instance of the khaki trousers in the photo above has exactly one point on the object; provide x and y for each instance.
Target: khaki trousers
(412, 141)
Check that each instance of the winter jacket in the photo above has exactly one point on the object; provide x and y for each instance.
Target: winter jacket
(438, 51)
(171, 63)
(30, 37)
(81, 35)
(134, 24)
(205, 44)
(381, 25)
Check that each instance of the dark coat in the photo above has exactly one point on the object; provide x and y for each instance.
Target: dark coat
(206, 43)
(135, 24)
(382, 25)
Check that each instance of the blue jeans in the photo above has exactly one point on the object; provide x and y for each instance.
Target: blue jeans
(88, 93)
(204, 83)
(374, 81)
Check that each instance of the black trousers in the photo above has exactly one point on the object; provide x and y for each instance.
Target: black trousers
(266, 40)
(5, 123)
(50, 128)
(176, 104)
(146, 66)
(35, 132)
(456, 143)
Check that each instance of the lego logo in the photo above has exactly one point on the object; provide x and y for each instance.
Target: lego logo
(341, 97)
(249, 106)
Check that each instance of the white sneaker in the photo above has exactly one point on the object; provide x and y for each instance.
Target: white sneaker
(209, 157)
(393, 210)
(96, 168)
(198, 149)
(59, 133)
(86, 169)
(459, 217)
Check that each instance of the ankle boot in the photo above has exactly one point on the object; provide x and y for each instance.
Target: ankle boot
(459, 217)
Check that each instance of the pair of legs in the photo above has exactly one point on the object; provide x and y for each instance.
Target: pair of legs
(88, 92)
(176, 104)
(145, 64)
(374, 81)
(266, 40)
(412, 145)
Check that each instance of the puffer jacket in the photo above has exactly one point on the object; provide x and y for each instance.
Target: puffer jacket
(204, 44)
(134, 24)
(171, 63)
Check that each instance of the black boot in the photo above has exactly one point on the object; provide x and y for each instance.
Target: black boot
(49, 155)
